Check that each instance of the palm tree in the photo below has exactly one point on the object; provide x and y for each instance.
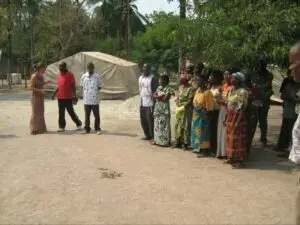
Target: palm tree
(117, 20)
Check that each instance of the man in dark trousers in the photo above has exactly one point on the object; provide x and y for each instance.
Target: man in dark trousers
(66, 94)
(263, 82)
(148, 84)
(91, 85)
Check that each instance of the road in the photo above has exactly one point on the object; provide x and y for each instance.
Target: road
(116, 178)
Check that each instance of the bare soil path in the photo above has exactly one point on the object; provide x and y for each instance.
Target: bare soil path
(117, 179)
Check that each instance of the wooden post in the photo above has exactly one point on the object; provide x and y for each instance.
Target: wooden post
(9, 51)
(128, 10)
(25, 77)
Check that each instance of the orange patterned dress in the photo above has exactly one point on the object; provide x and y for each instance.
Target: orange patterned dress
(37, 120)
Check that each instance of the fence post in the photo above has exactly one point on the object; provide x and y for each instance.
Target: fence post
(25, 77)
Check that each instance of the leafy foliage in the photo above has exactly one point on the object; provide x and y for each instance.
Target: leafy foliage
(224, 33)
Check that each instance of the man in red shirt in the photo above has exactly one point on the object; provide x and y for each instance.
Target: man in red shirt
(66, 93)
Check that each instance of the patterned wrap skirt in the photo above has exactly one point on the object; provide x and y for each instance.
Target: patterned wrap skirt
(200, 132)
(37, 120)
(237, 142)
(162, 129)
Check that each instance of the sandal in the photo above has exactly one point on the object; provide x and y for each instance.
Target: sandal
(236, 165)
(227, 161)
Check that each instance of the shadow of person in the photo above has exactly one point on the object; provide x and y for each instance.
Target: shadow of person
(104, 132)
(263, 160)
(8, 136)
(66, 132)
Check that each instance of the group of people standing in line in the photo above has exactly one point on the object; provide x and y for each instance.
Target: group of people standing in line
(217, 112)
(66, 98)
(214, 116)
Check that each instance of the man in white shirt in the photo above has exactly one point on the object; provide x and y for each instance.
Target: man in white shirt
(148, 84)
(91, 85)
(295, 150)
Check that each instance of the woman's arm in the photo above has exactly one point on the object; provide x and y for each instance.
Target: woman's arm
(32, 85)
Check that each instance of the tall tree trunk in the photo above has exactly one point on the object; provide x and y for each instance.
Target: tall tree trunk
(182, 6)
(128, 33)
(9, 50)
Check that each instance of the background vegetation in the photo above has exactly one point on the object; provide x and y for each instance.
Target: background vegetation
(223, 33)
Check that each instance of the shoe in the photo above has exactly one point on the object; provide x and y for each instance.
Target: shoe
(79, 127)
(211, 154)
(177, 145)
(195, 151)
(146, 139)
(201, 155)
(98, 132)
(60, 130)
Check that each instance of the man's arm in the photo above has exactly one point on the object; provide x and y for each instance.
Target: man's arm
(73, 82)
(154, 84)
(99, 82)
(54, 93)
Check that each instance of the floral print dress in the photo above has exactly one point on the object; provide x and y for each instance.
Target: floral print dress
(162, 116)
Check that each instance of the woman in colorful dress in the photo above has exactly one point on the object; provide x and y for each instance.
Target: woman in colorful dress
(184, 112)
(215, 81)
(37, 83)
(221, 136)
(236, 122)
(203, 105)
(162, 113)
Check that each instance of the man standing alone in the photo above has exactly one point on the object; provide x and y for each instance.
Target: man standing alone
(295, 150)
(263, 82)
(66, 93)
(91, 85)
(147, 86)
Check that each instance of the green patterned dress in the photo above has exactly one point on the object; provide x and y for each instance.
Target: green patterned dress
(162, 116)
(183, 122)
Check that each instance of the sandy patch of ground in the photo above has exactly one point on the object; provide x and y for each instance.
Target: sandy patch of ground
(117, 179)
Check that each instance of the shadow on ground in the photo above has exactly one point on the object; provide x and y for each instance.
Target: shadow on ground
(266, 160)
(82, 132)
(104, 132)
(15, 97)
(3, 136)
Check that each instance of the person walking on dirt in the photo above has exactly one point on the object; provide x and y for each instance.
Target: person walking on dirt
(148, 84)
(295, 150)
(91, 85)
(66, 95)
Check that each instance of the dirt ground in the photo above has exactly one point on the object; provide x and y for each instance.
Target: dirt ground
(116, 178)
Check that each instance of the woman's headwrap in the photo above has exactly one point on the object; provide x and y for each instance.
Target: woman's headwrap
(240, 77)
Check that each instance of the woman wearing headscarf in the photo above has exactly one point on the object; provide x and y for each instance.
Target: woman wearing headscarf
(236, 122)
(37, 83)
(222, 101)
(184, 112)
(203, 106)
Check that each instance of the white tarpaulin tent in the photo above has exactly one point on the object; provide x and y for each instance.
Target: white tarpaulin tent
(119, 77)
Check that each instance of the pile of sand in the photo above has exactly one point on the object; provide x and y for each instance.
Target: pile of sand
(132, 105)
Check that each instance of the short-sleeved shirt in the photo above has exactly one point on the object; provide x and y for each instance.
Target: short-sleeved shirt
(237, 99)
(91, 86)
(65, 85)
